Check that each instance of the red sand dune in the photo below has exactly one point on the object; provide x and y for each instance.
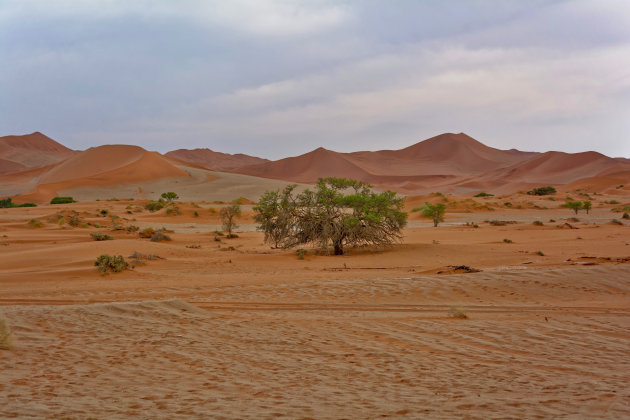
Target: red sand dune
(18, 153)
(215, 161)
(104, 165)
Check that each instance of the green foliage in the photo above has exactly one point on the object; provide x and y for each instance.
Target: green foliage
(507, 204)
(196, 213)
(612, 202)
(36, 223)
(417, 209)
(154, 206)
(339, 212)
(62, 200)
(173, 211)
(6, 203)
(542, 254)
(587, 205)
(542, 191)
(574, 205)
(111, 263)
(625, 216)
(169, 196)
(507, 241)
(101, 236)
(300, 253)
(537, 223)
(229, 214)
(483, 194)
(434, 212)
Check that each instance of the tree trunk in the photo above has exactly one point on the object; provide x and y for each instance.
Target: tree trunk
(338, 248)
(435, 222)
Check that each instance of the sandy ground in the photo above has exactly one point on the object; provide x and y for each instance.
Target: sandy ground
(234, 329)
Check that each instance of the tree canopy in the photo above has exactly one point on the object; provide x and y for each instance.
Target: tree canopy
(434, 212)
(339, 213)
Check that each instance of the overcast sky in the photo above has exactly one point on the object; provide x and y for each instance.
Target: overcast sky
(280, 78)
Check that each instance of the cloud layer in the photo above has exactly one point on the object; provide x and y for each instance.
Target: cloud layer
(279, 78)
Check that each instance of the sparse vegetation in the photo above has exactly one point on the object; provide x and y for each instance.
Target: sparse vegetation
(300, 253)
(625, 216)
(617, 222)
(169, 197)
(173, 211)
(483, 194)
(101, 236)
(229, 214)
(574, 205)
(154, 206)
(62, 200)
(587, 205)
(35, 223)
(434, 212)
(146, 232)
(6, 203)
(507, 241)
(542, 254)
(160, 237)
(111, 263)
(457, 313)
(542, 191)
(537, 223)
(340, 212)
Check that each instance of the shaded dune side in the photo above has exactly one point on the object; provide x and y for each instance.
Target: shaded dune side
(216, 161)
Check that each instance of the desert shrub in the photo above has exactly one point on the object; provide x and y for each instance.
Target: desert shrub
(62, 200)
(497, 222)
(140, 256)
(111, 263)
(542, 191)
(6, 203)
(132, 228)
(101, 236)
(104, 212)
(159, 237)
(537, 223)
(218, 233)
(483, 194)
(574, 205)
(36, 223)
(457, 313)
(300, 253)
(212, 210)
(612, 202)
(229, 215)
(507, 241)
(5, 335)
(173, 211)
(617, 222)
(154, 206)
(625, 216)
(217, 239)
(74, 221)
(146, 232)
(434, 212)
(587, 205)
(542, 254)
(507, 204)
(417, 209)
(170, 196)
(196, 213)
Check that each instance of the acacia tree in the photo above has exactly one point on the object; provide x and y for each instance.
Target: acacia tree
(339, 213)
(587, 205)
(228, 215)
(435, 212)
(574, 205)
(170, 196)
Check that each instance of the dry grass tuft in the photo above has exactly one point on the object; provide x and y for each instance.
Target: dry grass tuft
(457, 313)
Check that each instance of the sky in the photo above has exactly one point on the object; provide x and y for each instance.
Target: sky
(278, 78)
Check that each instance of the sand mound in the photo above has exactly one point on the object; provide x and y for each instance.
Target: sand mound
(215, 161)
(30, 151)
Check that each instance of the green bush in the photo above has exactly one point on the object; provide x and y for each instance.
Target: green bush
(542, 191)
(62, 200)
(6, 203)
(483, 194)
(36, 223)
(146, 232)
(300, 253)
(154, 206)
(625, 216)
(537, 223)
(173, 211)
(111, 263)
(101, 236)
(507, 241)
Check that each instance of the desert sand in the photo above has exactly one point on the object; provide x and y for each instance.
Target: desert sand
(513, 307)
(234, 329)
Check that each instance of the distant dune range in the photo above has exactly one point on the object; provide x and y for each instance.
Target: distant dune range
(35, 168)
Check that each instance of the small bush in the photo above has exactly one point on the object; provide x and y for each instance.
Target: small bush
(300, 253)
(104, 212)
(497, 222)
(139, 256)
(507, 204)
(217, 239)
(111, 263)
(196, 213)
(146, 232)
(483, 194)
(416, 209)
(154, 206)
(173, 211)
(62, 200)
(625, 216)
(612, 202)
(542, 191)
(36, 223)
(74, 221)
(5, 335)
(218, 233)
(537, 223)
(507, 241)
(101, 236)
(457, 313)
(617, 222)
(159, 237)
(132, 228)
(542, 254)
